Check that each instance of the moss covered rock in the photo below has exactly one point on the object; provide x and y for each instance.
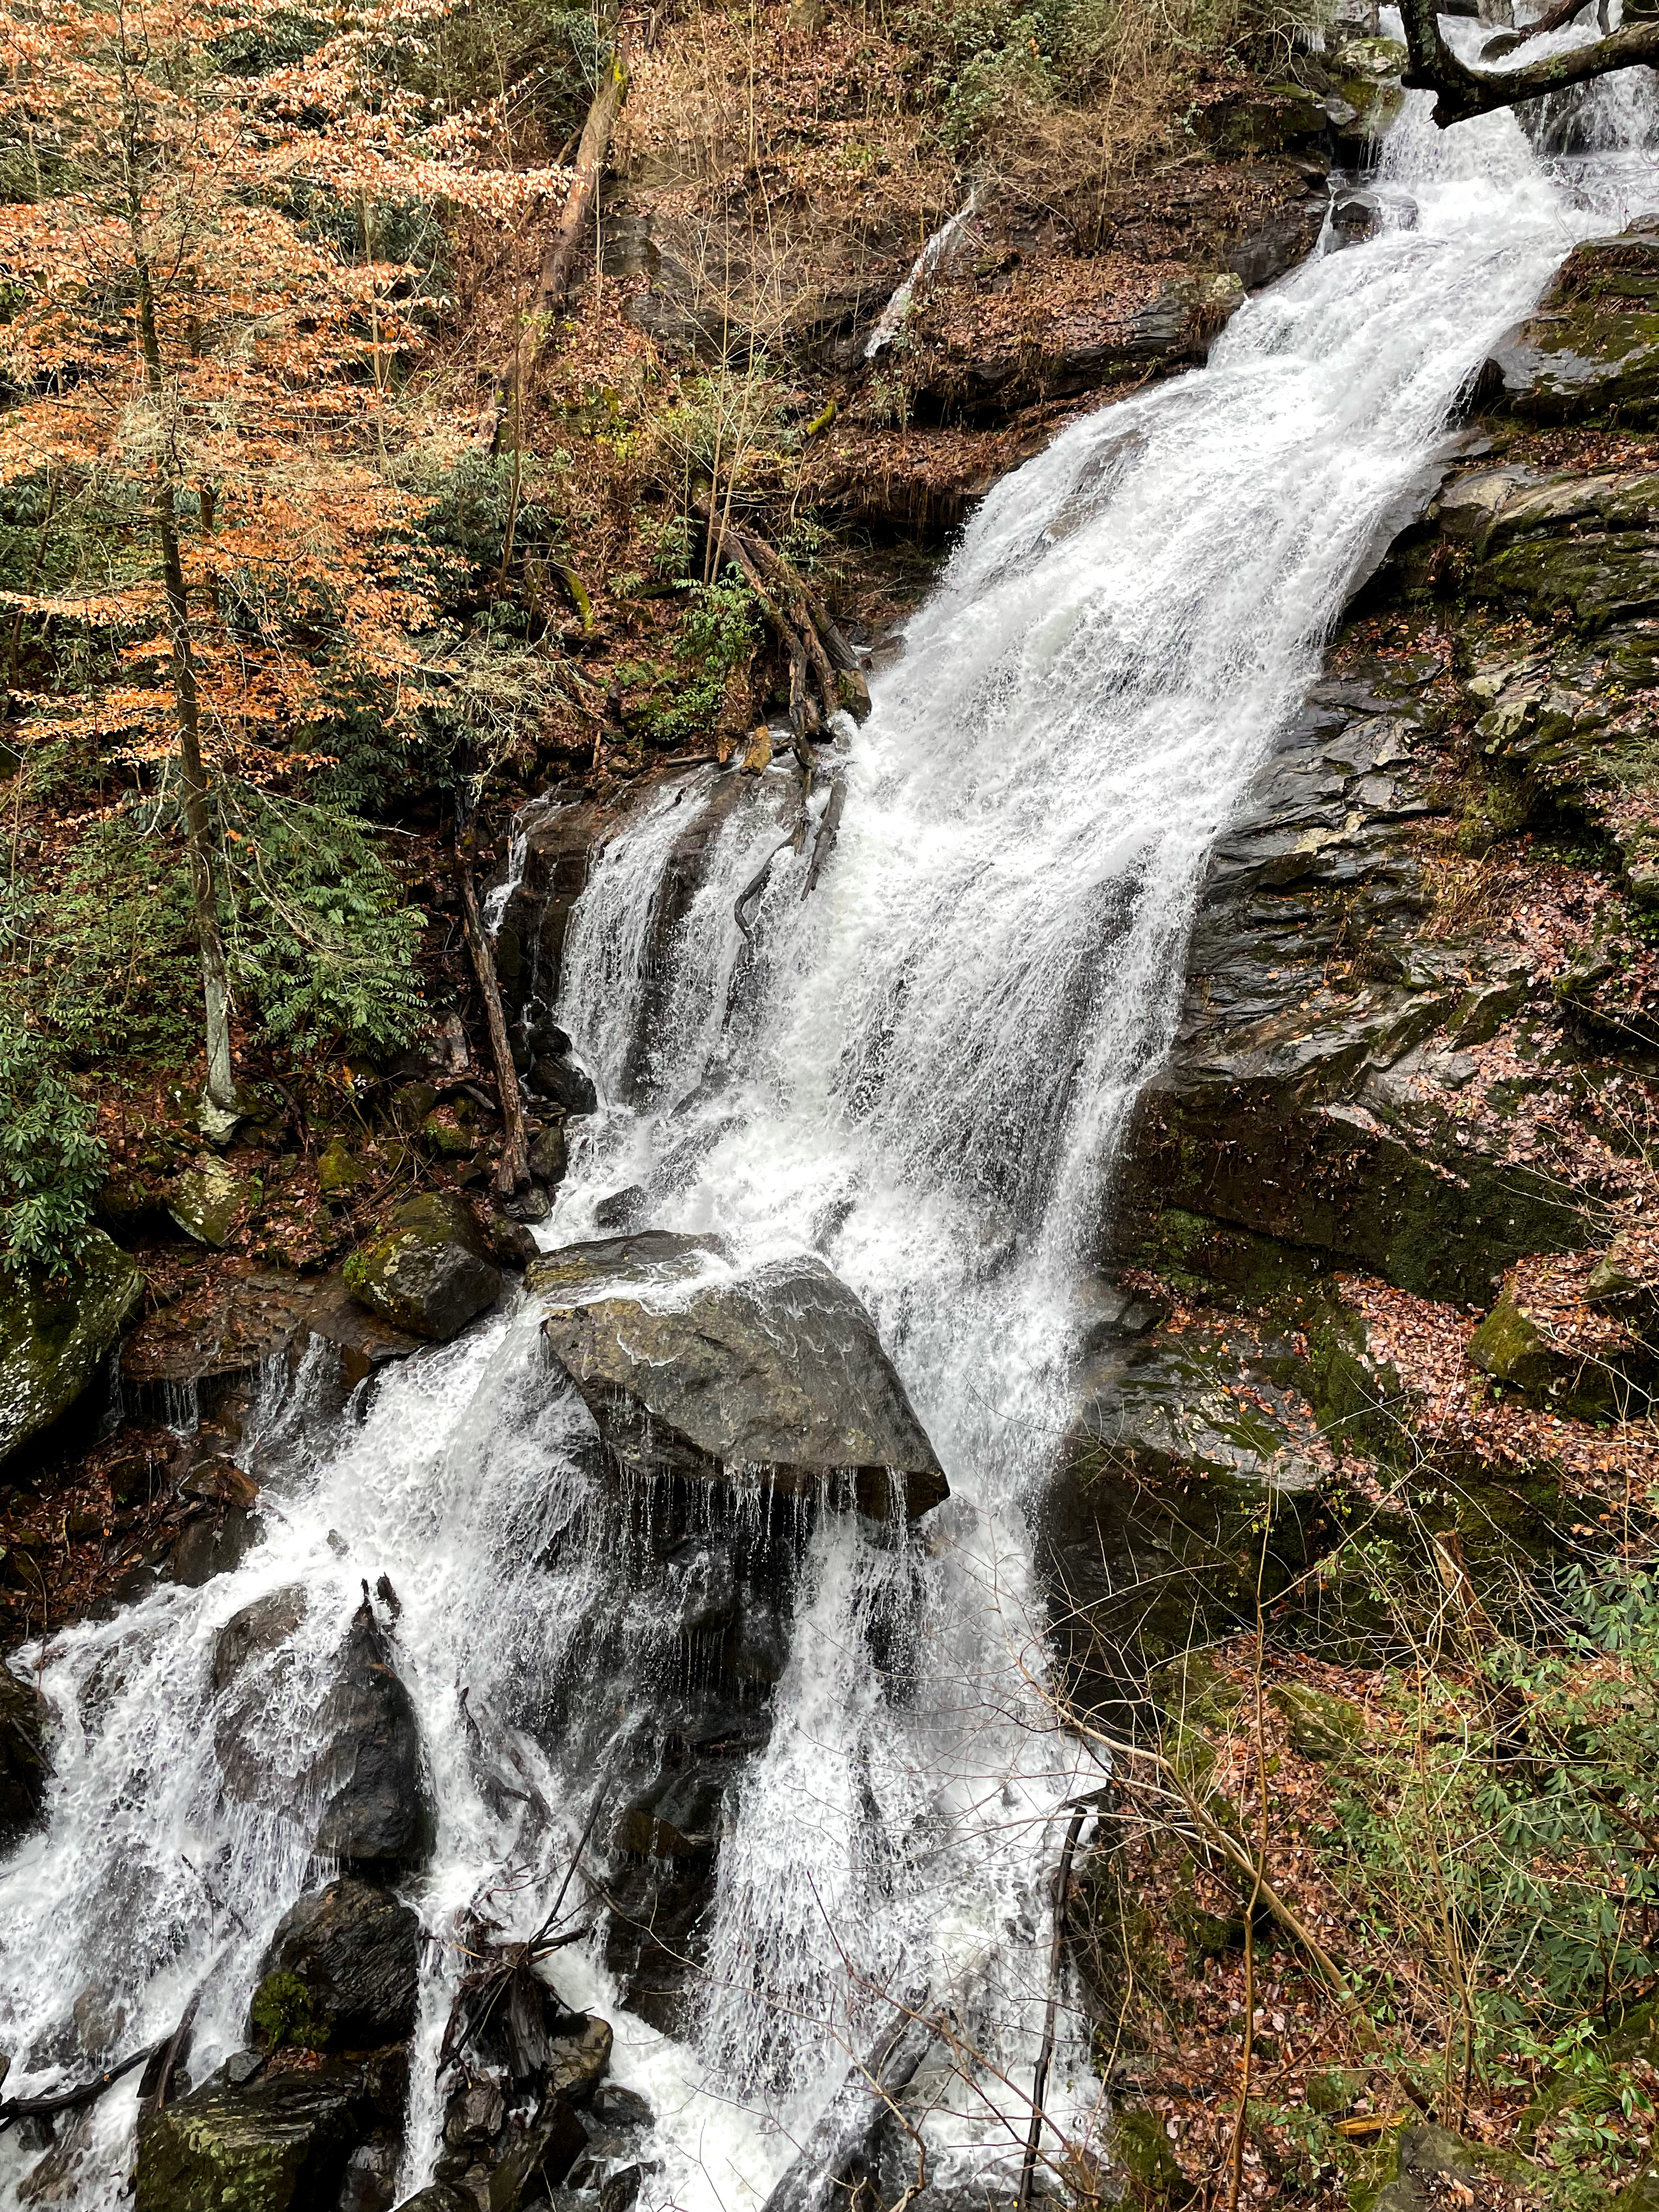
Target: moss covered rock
(1511, 1347)
(338, 1168)
(277, 2143)
(430, 1270)
(341, 1972)
(1320, 1726)
(209, 1200)
(1151, 2170)
(54, 1335)
(1590, 352)
(1409, 2170)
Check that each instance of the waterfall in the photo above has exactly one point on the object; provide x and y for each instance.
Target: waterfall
(501, 896)
(918, 1072)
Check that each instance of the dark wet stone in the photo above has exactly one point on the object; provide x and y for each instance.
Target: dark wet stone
(428, 1271)
(279, 2143)
(263, 1626)
(380, 1814)
(562, 1083)
(1590, 350)
(624, 1209)
(342, 1973)
(620, 2109)
(1355, 217)
(23, 1768)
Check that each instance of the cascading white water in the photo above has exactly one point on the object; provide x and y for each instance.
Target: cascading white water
(918, 1070)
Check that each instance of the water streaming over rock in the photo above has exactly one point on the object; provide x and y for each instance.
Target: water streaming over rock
(918, 1072)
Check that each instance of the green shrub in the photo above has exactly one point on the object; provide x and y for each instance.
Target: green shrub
(675, 701)
(318, 933)
(51, 1160)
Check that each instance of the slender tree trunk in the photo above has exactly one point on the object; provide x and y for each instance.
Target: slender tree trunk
(558, 262)
(198, 832)
(513, 1169)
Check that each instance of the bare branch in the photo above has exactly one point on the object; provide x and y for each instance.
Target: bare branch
(1462, 93)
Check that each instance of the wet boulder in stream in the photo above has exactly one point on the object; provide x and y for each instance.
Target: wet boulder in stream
(342, 1973)
(380, 1814)
(428, 1271)
(278, 2142)
(777, 1374)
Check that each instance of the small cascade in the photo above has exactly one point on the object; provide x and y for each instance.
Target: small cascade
(501, 896)
(818, 1750)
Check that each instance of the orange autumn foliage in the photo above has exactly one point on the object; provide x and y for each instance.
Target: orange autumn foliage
(285, 356)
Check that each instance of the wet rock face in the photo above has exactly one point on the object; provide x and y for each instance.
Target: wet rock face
(280, 2142)
(429, 1273)
(1183, 1449)
(342, 1973)
(1289, 1132)
(379, 1815)
(260, 1627)
(1590, 350)
(1532, 541)
(55, 1336)
(778, 1375)
(22, 1755)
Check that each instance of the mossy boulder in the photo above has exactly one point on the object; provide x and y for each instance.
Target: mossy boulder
(1590, 350)
(338, 1168)
(449, 1131)
(342, 1973)
(429, 1271)
(1408, 2171)
(1319, 1726)
(209, 1200)
(1150, 2171)
(1278, 117)
(276, 2143)
(55, 1333)
(1511, 1347)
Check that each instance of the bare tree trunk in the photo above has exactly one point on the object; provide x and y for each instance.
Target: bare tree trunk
(558, 262)
(513, 1170)
(1464, 92)
(220, 1104)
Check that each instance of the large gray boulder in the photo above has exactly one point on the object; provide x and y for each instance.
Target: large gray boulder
(54, 1335)
(428, 1271)
(777, 1375)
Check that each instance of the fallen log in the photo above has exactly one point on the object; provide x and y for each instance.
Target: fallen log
(167, 2057)
(749, 898)
(513, 1170)
(86, 2093)
(559, 262)
(824, 843)
(845, 2138)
